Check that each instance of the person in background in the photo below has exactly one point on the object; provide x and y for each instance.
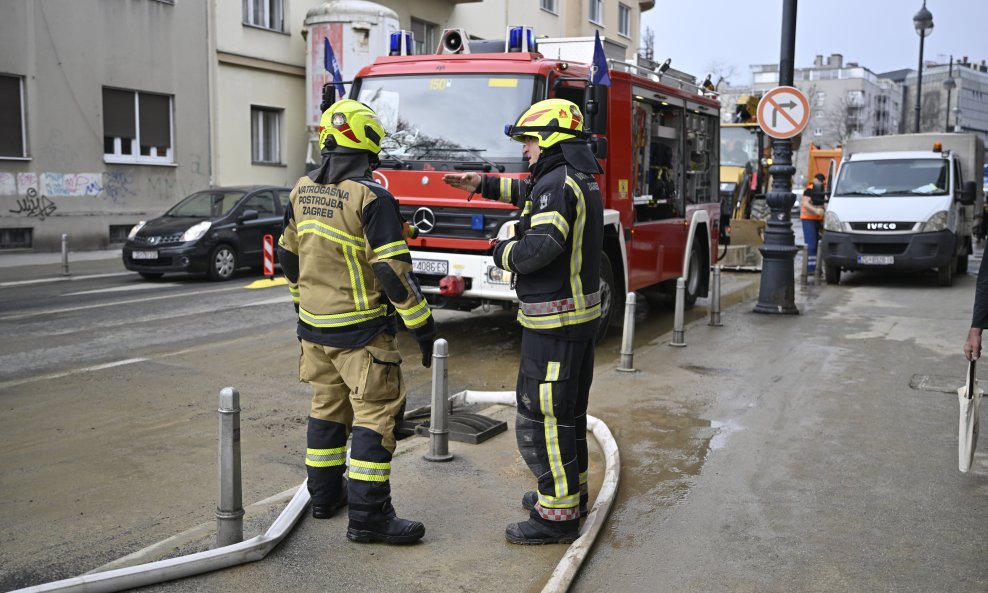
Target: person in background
(811, 212)
(979, 319)
(555, 256)
(349, 271)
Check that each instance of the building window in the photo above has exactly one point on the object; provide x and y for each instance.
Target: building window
(818, 131)
(624, 20)
(265, 135)
(819, 99)
(425, 36)
(549, 5)
(137, 127)
(268, 14)
(596, 11)
(12, 138)
(15, 238)
(119, 232)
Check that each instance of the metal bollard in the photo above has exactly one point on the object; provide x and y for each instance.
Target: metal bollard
(230, 511)
(818, 272)
(628, 337)
(678, 335)
(65, 254)
(439, 423)
(715, 298)
(806, 265)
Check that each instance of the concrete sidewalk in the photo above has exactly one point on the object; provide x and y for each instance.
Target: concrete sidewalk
(804, 453)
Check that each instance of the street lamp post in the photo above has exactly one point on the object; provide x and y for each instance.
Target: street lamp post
(776, 293)
(923, 21)
(949, 84)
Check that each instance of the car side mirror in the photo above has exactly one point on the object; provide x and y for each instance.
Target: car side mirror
(248, 214)
(969, 194)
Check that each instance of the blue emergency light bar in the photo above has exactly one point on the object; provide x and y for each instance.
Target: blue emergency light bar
(402, 44)
(520, 39)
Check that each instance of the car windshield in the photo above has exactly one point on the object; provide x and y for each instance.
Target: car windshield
(206, 204)
(457, 117)
(738, 146)
(920, 177)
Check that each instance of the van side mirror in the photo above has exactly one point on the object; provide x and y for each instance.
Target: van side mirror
(248, 214)
(969, 194)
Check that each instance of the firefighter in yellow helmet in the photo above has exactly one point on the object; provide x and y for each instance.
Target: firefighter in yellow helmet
(555, 256)
(349, 273)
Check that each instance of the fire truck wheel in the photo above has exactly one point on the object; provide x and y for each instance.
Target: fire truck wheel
(606, 297)
(694, 274)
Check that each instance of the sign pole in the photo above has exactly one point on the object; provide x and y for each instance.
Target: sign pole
(778, 284)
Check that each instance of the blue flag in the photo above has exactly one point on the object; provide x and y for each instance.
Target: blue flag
(599, 69)
(329, 61)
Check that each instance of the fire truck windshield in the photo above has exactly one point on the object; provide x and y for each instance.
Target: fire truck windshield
(455, 117)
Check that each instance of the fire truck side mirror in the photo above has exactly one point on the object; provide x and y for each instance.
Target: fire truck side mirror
(599, 147)
(596, 109)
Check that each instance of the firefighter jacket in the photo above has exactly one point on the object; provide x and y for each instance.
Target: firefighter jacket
(556, 251)
(348, 265)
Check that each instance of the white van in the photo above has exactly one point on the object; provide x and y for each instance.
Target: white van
(907, 202)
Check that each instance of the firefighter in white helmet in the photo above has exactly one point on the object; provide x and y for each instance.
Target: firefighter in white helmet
(349, 272)
(555, 255)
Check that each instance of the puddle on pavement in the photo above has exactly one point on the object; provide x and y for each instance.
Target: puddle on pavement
(663, 445)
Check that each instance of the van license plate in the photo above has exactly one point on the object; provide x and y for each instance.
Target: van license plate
(430, 266)
(144, 255)
(876, 260)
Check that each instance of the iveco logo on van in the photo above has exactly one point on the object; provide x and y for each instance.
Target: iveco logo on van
(881, 226)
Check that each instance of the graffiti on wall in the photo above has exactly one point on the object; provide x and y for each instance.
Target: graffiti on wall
(34, 206)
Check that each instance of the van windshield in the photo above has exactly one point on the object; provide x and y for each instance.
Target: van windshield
(920, 177)
(454, 117)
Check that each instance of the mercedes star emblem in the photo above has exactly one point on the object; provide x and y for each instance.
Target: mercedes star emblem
(424, 220)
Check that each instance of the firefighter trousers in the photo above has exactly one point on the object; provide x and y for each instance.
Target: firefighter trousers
(551, 427)
(359, 389)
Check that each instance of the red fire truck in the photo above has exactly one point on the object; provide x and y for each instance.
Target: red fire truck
(655, 132)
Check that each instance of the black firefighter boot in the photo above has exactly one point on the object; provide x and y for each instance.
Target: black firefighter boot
(385, 527)
(327, 511)
(538, 531)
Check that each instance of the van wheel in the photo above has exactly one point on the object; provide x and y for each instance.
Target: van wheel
(222, 263)
(606, 297)
(694, 274)
(831, 274)
(945, 274)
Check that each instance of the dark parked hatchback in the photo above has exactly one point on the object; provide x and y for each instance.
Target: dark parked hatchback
(215, 231)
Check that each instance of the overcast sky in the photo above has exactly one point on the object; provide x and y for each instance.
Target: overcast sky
(878, 34)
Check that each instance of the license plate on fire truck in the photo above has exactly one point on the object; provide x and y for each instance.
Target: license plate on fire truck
(430, 266)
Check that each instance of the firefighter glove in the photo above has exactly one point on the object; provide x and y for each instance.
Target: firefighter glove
(425, 336)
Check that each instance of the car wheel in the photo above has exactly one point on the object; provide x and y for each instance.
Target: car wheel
(222, 263)
(694, 273)
(151, 275)
(606, 297)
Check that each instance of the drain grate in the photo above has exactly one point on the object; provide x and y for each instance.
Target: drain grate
(464, 427)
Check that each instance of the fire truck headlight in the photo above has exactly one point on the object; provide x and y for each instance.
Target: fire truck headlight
(831, 222)
(496, 275)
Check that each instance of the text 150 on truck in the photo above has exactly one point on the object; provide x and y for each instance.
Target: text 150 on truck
(906, 202)
(654, 130)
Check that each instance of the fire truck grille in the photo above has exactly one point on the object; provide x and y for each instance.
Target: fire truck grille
(457, 223)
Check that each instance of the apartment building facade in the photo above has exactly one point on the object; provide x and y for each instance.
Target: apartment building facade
(112, 111)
